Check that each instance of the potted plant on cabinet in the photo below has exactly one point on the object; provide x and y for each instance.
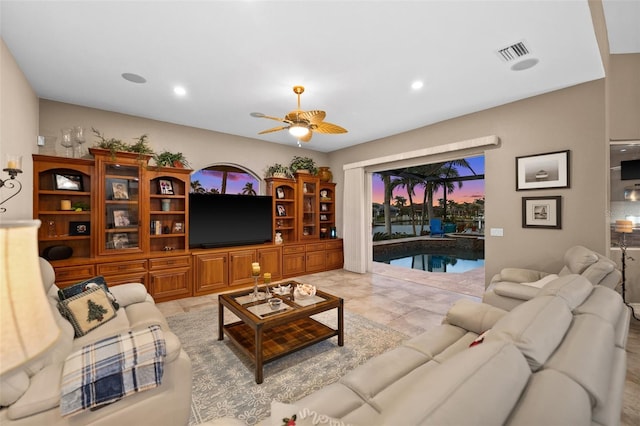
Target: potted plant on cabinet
(302, 165)
(170, 159)
(278, 171)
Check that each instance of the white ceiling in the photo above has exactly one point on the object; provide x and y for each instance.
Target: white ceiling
(357, 59)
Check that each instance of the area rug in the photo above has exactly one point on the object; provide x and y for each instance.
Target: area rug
(223, 378)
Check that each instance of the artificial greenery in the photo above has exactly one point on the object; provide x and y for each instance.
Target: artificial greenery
(278, 169)
(168, 159)
(303, 163)
(141, 146)
(112, 144)
(116, 145)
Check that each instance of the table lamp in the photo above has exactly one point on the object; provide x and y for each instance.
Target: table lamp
(27, 325)
(625, 227)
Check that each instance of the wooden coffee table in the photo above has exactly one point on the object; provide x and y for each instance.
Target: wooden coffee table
(265, 334)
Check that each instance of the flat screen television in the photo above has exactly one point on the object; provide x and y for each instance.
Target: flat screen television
(630, 169)
(224, 220)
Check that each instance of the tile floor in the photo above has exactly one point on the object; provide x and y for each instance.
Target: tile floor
(412, 301)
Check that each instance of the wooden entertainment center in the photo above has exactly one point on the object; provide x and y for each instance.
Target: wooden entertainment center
(129, 222)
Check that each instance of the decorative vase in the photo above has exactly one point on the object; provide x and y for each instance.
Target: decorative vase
(325, 174)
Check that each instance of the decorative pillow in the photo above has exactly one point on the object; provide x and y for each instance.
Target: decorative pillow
(87, 310)
(78, 288)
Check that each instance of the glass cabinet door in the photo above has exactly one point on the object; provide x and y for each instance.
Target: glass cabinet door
(308, 228)
(120, 214)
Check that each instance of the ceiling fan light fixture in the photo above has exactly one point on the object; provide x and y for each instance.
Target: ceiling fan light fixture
(298, 130)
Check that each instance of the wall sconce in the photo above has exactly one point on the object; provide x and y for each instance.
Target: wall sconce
(14, 166)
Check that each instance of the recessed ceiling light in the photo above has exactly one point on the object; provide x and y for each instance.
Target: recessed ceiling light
(179, 90)
(134, 78)
(417, 85)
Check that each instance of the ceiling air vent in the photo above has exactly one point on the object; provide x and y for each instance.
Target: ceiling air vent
(513, 52)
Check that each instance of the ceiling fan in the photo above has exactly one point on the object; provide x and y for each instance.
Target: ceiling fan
(302, 124)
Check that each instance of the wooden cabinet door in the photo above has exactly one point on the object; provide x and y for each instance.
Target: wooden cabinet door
(270, 261)
(211, 273)
(170, 283)
(316, 261)
(334, 259)
(293, 264)
(240, 266)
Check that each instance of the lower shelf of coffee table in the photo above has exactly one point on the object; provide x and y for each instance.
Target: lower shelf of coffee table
(281, 339)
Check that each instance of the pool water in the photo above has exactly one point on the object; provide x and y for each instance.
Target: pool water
(436, 263)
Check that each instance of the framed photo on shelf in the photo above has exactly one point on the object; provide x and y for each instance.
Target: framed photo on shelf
(324, 208)
(120, 241)
(67, 182)
(178, 228)
(280, 192)
(121, 218)
(119, 189)
(323, 217)
(165, 186)
(542, 212)
(543, 171)
(79, 228)
(281, 210)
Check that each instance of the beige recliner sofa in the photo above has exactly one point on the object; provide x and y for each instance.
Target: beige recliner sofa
(31, 396)
(557, 359)
(512, 286)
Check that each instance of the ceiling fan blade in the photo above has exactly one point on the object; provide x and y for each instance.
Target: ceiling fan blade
(314, 117)
(325, 127)
(307, 137)
(275, 129)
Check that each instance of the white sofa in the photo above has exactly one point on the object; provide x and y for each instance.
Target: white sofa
(31, 396)
(557, 359)
(512, 286)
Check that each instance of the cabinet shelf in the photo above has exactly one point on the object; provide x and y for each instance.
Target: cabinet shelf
(65, 212)
(65, 193)
(170, 212)
(168, 235)
(66, 238)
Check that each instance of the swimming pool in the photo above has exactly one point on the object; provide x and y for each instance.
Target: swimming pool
(437, 263)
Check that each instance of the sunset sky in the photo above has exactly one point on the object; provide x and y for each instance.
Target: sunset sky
(470, 191)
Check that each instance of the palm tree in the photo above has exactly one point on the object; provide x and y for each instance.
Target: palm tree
(248, 189)
(196, 186)
(409, 182)
(389, 186)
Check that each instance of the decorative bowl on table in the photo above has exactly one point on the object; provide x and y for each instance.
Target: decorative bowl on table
(275, 303)
(304, 291)
(282, 290)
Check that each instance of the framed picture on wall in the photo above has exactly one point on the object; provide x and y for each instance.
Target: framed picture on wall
(543, 171)
(542, 212)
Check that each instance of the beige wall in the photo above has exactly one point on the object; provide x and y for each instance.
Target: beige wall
(624, 86)
(18, 133)
(571, 119)
(201, 147)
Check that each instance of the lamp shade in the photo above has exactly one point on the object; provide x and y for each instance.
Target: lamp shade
(27, 325)
(624, 226)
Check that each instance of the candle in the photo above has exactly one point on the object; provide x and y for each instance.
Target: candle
(65, 204)
(267, 277)
(255, 268)
(14, 162)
